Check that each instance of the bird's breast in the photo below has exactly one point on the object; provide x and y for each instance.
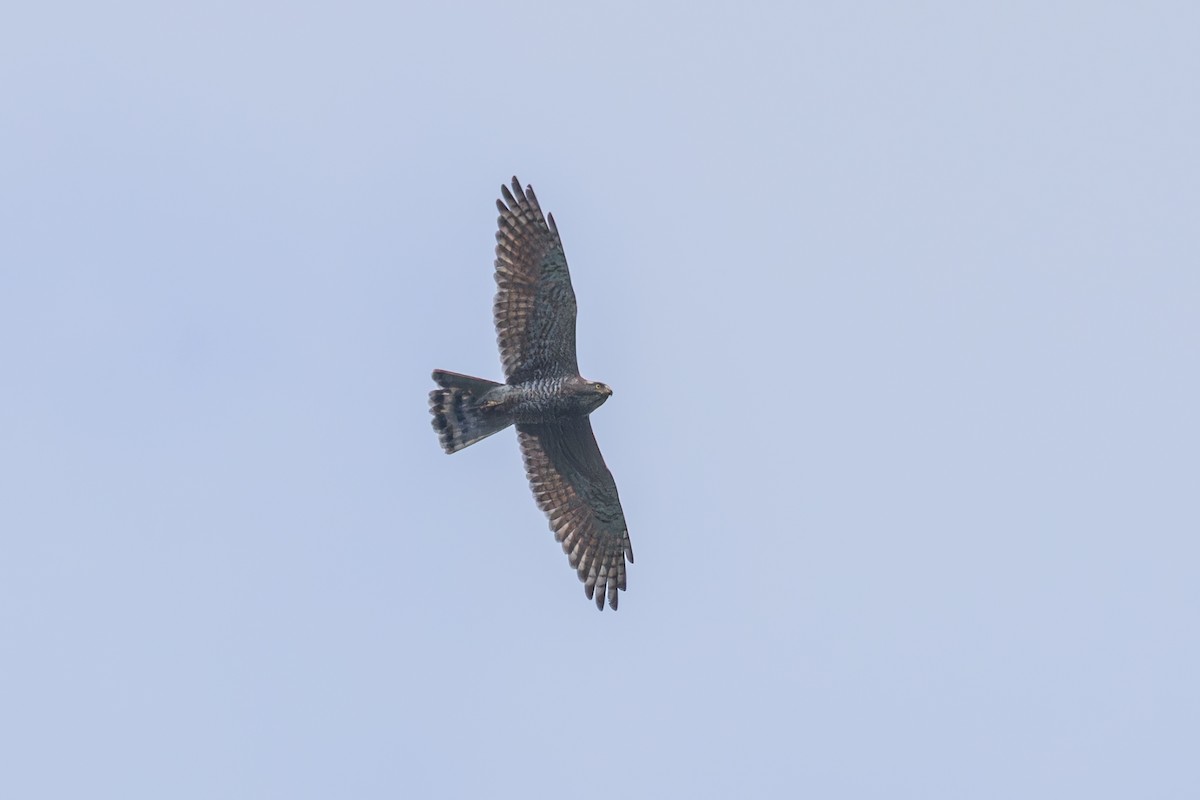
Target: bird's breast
(545, 400)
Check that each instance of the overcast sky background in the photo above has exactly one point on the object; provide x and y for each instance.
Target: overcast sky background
(899, 302)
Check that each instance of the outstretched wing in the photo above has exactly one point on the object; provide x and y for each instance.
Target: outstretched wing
(535, 305)
(577, 492)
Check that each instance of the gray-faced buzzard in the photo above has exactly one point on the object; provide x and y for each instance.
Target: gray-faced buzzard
(544, 396)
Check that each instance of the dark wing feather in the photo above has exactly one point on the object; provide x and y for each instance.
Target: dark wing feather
(535, 304)
(577, 492)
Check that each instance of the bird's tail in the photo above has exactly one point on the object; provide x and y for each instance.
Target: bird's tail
(457, 416)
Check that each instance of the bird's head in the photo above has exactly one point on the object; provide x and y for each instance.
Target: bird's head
(594, 394)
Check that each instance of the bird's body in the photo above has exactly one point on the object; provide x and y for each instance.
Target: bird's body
(544, 396)
(545, 399)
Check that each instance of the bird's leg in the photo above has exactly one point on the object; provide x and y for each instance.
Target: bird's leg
(494, 400)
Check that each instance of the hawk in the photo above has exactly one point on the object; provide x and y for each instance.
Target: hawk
(544, 396)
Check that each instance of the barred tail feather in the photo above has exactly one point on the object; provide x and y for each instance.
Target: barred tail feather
(457, 417)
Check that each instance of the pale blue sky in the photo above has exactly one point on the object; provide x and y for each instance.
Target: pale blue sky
(899, 303)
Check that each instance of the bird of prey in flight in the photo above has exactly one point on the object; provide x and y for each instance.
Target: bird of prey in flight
(544, 396)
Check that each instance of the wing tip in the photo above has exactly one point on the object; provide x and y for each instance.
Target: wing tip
(517, 196)
(517, 190)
